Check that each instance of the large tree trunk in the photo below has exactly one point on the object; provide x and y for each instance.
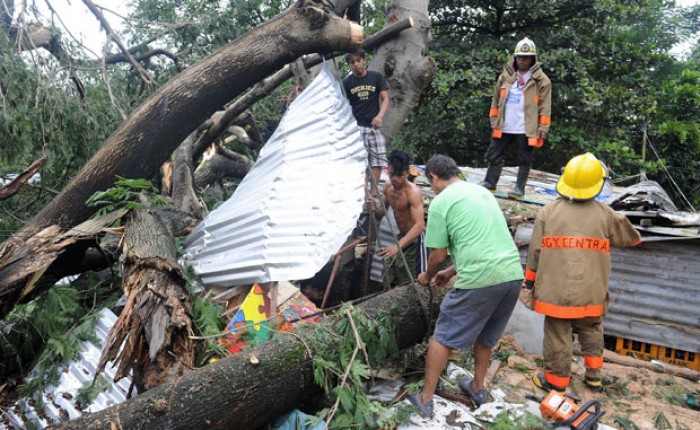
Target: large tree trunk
(233, 393)
(142, 143)
(403, 63)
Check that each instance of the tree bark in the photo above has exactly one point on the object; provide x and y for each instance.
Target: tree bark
(235, 394)
(156, 322)
(402, 61)
(148, 137)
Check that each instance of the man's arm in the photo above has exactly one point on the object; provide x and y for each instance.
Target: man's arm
(378, 204)
(378, 120)
(435, 260)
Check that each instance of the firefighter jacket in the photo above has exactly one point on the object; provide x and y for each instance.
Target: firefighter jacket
(538, 102)
(569, 257)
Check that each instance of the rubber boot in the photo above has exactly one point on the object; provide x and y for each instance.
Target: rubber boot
(521, 180)
(491, 179)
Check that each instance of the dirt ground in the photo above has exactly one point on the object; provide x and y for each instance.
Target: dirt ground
(632, 398)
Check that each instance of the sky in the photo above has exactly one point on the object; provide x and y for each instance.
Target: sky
(84, 25)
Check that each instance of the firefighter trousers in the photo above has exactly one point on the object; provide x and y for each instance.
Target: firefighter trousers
(557, 347)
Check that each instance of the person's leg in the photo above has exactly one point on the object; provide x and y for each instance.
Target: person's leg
(557, 350)
(505, 297)
(524, 164)
(482, 356)
(435, 363)
(494, 156)
(406, 274)
(375, 144)
(389, 276)
(590, 336)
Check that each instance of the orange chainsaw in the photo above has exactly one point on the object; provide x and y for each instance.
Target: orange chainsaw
(565, 411)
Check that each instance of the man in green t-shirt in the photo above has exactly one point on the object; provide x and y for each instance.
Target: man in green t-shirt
(465, 220)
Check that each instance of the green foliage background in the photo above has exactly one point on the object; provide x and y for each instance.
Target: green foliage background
(612, 75)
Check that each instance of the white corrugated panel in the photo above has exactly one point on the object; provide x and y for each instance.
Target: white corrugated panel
(298, 203)
(58, 403)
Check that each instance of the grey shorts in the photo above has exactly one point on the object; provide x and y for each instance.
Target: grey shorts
(375, 144)
(479, 314)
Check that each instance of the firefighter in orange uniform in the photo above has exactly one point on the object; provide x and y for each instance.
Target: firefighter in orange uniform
(568, 269)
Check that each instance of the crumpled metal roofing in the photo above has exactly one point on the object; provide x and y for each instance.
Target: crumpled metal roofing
(298, 203)
(58, 403)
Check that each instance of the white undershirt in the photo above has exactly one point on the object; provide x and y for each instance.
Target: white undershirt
(514, 117)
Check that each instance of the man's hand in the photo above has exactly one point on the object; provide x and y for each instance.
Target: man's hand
(389, 251)
(372, 204)
(541, 134)
(443, 276)
(423, 279)
(377, 122)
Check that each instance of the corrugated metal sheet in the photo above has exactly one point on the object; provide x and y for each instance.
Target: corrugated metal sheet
(655, 294)
(298, 203)
(59, 402)
(385, 237)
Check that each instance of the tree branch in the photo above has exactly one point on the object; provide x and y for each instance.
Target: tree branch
(20, 181)
(105, 24)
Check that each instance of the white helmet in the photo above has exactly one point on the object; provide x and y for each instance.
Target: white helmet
(525, 47)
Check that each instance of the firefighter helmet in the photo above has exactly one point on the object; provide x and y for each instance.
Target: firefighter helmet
(583, 178)
(525, 47)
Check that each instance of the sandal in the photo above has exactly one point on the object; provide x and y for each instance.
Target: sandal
(426, 409)
(478, 396)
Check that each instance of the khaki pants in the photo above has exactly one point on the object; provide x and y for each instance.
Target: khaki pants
(557, 347)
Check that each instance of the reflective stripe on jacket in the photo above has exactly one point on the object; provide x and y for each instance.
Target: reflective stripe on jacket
(538, 101)
(569, 257)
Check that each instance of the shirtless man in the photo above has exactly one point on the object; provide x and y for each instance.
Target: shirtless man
(404, 197)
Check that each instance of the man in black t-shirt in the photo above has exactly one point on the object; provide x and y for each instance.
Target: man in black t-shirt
(368, 92)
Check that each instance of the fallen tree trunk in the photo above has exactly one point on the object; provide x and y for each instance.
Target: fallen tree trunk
(147, 138)
(233, 393)
(659, 367)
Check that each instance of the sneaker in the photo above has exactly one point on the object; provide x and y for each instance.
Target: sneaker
(541, 382)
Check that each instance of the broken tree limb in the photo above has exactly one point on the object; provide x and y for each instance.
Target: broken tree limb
(112, 35)
(21, 180)
(220, 163)
(232, 393)
(23, 262)
(668, 369)
(152, 334)
(147, 138)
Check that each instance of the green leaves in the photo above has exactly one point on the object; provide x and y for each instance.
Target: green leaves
(124, 194)
(341, 369)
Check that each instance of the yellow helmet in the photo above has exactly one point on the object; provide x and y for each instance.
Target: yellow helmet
(525, 47)
(583, 178)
